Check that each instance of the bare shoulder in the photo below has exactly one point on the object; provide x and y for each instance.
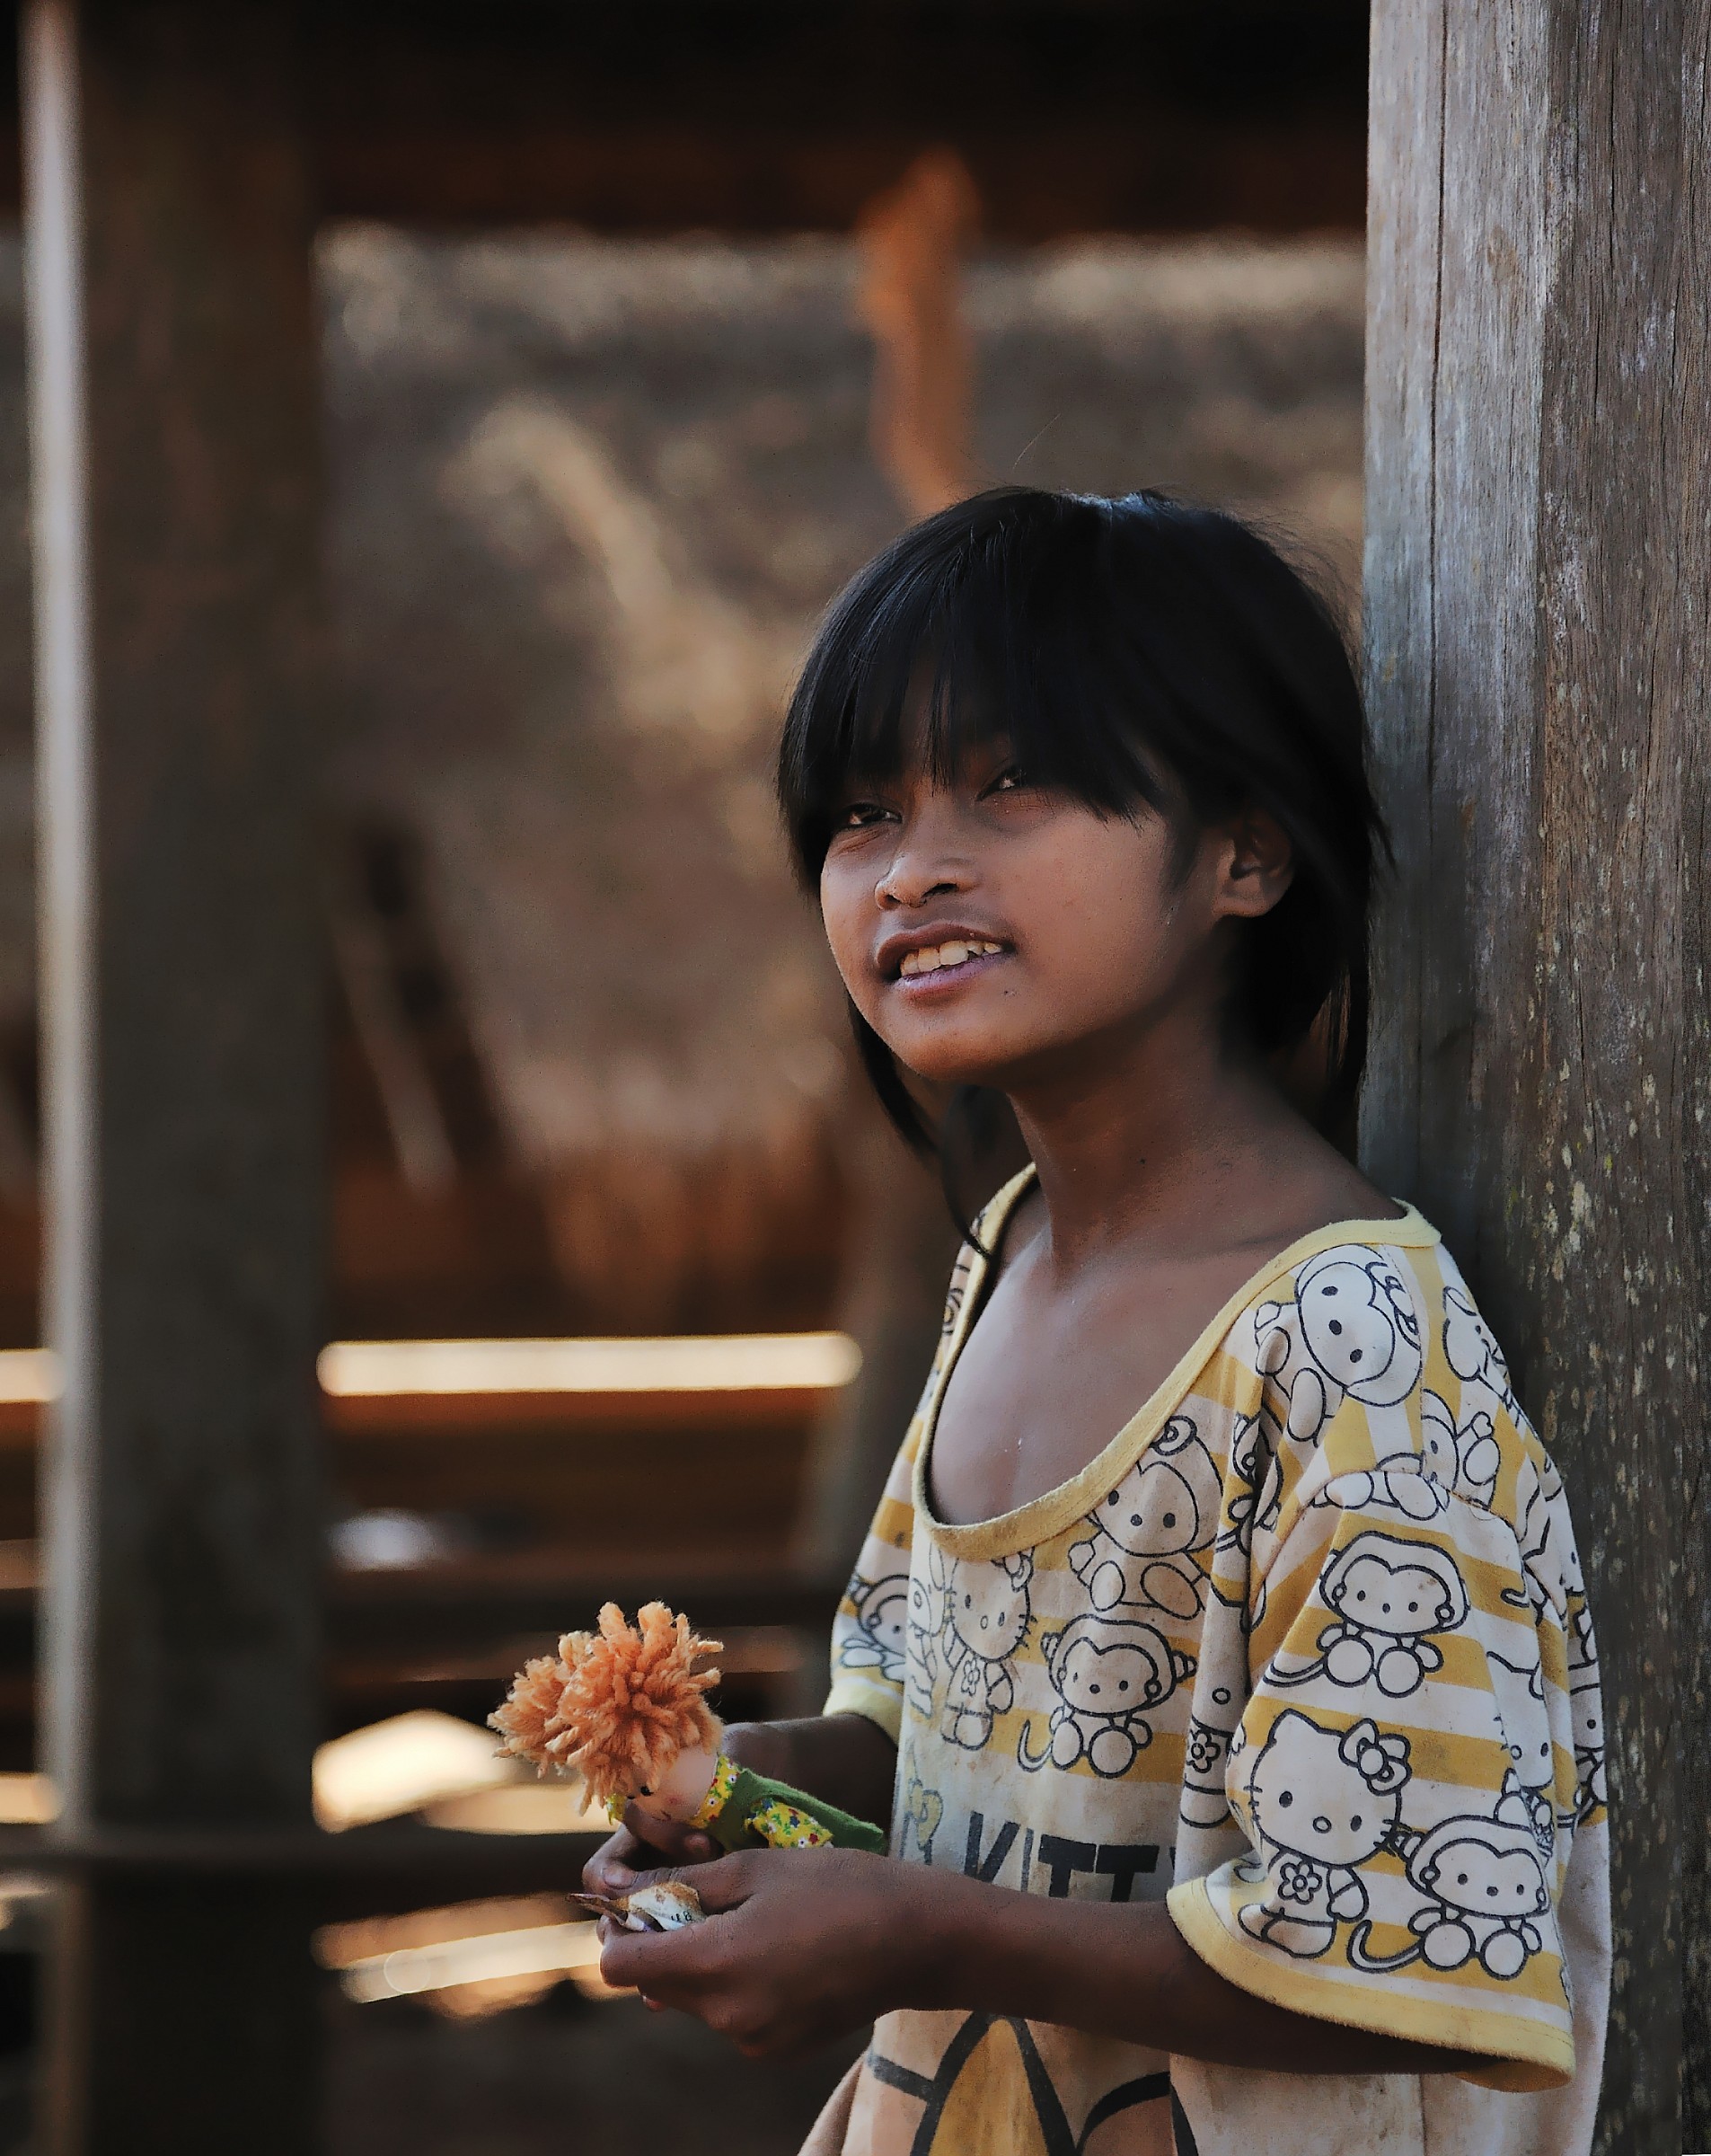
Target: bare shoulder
(1346, 1193)
(1024, 1224)
(1313, 1185)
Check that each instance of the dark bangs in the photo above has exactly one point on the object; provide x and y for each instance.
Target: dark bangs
(1134, 651)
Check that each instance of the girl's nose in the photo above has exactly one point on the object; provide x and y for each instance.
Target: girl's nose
(918, 871)
(899, 887)
(932, 859)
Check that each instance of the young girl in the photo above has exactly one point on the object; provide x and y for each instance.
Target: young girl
(1260, 1737)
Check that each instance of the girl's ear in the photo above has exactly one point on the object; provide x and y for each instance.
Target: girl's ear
(1255, 866)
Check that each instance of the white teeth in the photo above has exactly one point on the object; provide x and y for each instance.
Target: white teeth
(945, 954)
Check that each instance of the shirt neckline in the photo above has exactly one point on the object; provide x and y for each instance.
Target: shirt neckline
(1027, 1525)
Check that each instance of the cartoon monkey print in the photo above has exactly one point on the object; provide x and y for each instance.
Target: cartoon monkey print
(880, 1608)
(955, 1293)
(1257, 1483)
(1590, 1794)
(1322, 1803)
(924, 1623)
(1483, 1880)
(1148, 1532)
(1389, 1597)
(1587, 1711)
(987, 1616)
(1356, 1335)
(1107, 1673)
(1464, 1458)
(924, 1814)
(1549, 1567)
(1470, 1350)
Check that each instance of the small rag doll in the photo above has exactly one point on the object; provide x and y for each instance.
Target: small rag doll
(625, 1710)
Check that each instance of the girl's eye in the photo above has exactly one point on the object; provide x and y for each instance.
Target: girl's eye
(857, 815)
(1012, 779)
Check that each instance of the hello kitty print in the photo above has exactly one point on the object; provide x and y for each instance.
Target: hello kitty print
(1310, 1656)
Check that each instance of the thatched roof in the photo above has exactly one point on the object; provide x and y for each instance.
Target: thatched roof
(588, 500)
(590, 497)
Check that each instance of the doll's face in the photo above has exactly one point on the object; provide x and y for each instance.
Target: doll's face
(989, 929)
(679, 1796)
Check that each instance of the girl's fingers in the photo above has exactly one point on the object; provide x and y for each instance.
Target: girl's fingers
(656, 1963)
(724, 1884)
(611, 1869)
(666, 1838)
(625, 1857)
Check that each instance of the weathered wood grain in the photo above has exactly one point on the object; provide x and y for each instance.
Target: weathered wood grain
(1538, 549)
(174, 453)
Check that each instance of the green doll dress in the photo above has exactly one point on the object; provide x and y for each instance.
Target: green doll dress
(742, 1810)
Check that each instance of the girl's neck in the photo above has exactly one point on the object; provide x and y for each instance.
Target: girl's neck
(1154, 1141)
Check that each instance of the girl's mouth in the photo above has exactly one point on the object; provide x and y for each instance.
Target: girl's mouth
(944, 965)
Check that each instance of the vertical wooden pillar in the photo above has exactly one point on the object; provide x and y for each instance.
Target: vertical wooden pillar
(1538, 574)
(175, 450)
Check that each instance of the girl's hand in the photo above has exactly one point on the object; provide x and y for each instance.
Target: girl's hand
(624, 1859)
(800, 1946)
(640, 1842)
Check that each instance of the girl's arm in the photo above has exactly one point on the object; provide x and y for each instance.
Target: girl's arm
(805, 1947)
(1123, 1970)
(844, 1758)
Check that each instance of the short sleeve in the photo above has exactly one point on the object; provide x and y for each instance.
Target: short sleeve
(1406, 1772)
(869, 1633)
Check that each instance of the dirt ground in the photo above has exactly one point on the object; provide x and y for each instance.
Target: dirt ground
(563, 2075)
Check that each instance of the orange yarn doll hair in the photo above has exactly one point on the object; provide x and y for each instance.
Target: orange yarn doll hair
(616, 1706)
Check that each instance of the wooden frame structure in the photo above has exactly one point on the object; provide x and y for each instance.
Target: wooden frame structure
(174, 423)
(1537, 571)
(177, 154)
(1538, 563)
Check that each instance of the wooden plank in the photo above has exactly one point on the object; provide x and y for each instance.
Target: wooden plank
(174, 461)
(1402, 310)
(1158, 172)
(581, 1419)
(1538, 550)
(163, 1965)
(756, 117)
(457, 1610)
(182, 973)
(393, 1849)
(761, 117)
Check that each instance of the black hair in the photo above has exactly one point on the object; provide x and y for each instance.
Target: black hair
(1135, 650)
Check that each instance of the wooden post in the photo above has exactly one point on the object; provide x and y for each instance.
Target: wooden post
(1538, 560)
(174, 451)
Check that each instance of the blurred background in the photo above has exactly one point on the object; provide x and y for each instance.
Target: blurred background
(635, 334)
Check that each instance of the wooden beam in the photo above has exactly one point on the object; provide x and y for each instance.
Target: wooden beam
(1166, 172)
(765, 116)
(175, 425)
(759, 117)
(1539, 552)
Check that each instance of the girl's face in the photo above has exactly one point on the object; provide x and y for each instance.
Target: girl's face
(985, 927)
